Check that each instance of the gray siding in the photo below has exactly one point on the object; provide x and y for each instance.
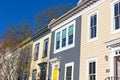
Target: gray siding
(69, 55)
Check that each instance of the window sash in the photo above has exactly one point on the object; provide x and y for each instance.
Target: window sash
(92, 71)
(36, 51)
(69, 73)
(93, 26)
(70, 30)
(117, 15)
(45, 50)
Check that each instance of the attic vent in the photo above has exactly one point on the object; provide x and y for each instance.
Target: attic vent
(79, 1)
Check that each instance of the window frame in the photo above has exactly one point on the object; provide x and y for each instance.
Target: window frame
(89, 22)
(88, 62)
(60, 30)
(43, 55)
(68, 65)
(36, 73)
(113, 30)
(35, 54)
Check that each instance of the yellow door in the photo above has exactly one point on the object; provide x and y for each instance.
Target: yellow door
(55, 73)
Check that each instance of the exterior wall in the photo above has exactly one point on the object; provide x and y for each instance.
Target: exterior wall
(34, 63)
(97, 48)
(26, 67)
(69, 55)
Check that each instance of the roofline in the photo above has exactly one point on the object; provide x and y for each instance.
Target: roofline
(40, 32)
(73, 11)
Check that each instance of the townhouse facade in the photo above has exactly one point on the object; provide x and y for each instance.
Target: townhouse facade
(65, 50)
(40, 54)
(25, 50)
(100, 54)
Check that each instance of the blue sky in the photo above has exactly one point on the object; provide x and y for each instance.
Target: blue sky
(18, 11)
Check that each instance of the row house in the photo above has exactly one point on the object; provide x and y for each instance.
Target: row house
(40, 54)
(87, 39)
(65, 48)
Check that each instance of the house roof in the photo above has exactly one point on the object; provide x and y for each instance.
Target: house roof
(82, 5)
(40, 32)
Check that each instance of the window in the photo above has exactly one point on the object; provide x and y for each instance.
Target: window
(28, 52)
(27, 55)
(70, 35)
(92, 69)
(117, 15)
(58, 40)
(34, 73)
(93, 26)
(25, 76)
(64, 37)
(69, 71)
(45, 49)
(36, 51)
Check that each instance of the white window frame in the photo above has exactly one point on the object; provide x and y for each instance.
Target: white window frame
(87, 67)
(89, 18)
(113, 31)
(60, 30)
(67, 65)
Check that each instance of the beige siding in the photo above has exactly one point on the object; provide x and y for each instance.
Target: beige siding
(97, 49)
(34, 64)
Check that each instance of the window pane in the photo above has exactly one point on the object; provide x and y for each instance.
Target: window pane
(58, 36)
(95, 20)
(45, 48)
(64, 38)
(90, 68)
(93, 26)
(94, 67)
(36, 52)
(64, 33)
(58, 40)
(117, 23)
(70, 39)
(69, 73)
(116, 7)
(70, 30)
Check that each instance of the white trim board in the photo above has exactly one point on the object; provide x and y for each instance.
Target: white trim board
(67, 65)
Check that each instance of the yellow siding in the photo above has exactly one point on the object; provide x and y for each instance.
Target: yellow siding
(97, 49)
(34, 64)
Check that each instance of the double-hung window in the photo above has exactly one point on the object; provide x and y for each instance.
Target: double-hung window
(45, 49)
(64, 32)
(69, 71)
(65, 37)
(27, 55)
(34, 74)
(70, 35)
(36, 51)
(93, 26)
(117, 16)
(92, 70)
(58, 40)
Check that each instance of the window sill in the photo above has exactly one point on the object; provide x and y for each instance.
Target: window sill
(93, 39)
(115, 31)
(64, 48)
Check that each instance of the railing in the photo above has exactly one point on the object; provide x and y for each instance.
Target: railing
(112, 78)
